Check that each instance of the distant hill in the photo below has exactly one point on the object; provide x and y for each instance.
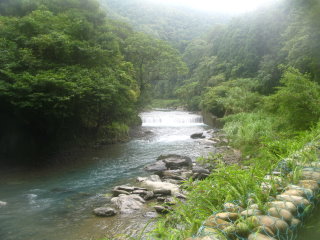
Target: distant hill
(171, 23)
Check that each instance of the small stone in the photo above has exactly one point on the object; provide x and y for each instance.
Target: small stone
(227, 216)
(281, 213)
(215, 222)
(181, 196)
(294, 199)
(251, 212)
(139, 192)
(148, 195)
(104, 212)
(164, 192)
(230, 207)
(150, 214)
(283, 204)
(309, 184)
(161, 209)
(124, 188)
(259, 236)
(2, 204)
(154, 178)
(197, 135)
(116, 192)
(170, 201)
(253, 206)
(161, 199)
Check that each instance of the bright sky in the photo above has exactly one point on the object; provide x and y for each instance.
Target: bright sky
(227, 6)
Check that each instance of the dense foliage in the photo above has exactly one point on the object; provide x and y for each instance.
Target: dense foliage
(260, 74)
(171, 23)
(67, 70)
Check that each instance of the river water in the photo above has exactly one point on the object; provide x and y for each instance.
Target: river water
(57, 202)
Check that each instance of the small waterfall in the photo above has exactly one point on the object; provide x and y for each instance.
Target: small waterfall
(170, 119)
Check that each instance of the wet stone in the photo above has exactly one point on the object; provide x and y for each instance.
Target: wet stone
(148, 195)
(125, 188)
(116, 193)
(104, 212)
(164, 192)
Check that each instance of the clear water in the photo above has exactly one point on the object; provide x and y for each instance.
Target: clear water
(56, 203)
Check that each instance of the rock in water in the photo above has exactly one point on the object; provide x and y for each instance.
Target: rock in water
(161, 185)
(2, 204)
(177, 161)
(104, 212)
(158, 166)
(128, 203)
(197, 135)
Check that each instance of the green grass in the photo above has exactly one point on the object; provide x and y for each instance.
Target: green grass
(268, 146)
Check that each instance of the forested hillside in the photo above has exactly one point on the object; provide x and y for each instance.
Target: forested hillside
(67, 70)
(174, 24)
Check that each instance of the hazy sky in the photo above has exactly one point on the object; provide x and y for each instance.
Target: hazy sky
(228, 6)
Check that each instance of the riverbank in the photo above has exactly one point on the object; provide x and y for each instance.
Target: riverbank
(258, 180)
(60, 201)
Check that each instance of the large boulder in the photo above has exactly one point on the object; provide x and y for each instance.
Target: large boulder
(128, 203)
(177, 161)
(104, 212)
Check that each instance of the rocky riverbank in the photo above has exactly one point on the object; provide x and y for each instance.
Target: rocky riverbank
(162, 189)
(281, 216)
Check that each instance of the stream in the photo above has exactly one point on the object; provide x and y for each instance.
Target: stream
(57, 203)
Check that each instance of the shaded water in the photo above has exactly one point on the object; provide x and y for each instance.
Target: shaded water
(311, 228)
(57, 203)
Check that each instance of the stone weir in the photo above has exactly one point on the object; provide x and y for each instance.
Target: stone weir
(283, 215)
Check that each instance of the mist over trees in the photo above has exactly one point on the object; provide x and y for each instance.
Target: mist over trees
(75, 67)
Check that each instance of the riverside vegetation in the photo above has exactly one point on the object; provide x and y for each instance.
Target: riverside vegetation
(260, 74)
(67, 71)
